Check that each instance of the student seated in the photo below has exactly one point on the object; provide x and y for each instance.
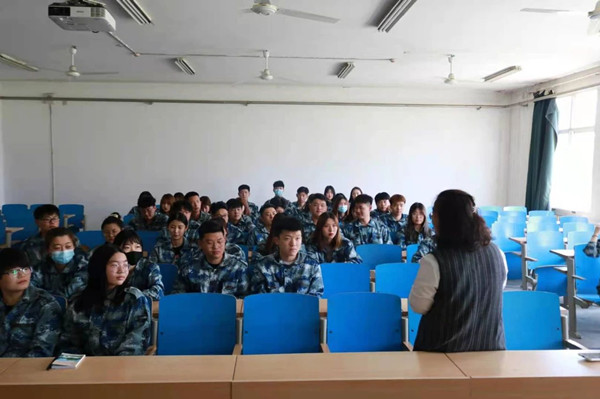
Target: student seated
(327, 245)
(111, 226)
(317, 205)
(135, 211)
(144, 274)
(191, 233)
(298, 207)
(593, 247)
(268, 247)
(458, 288)
(416, 228)
(278, 188)
(64, 270)
(329, 193)
(365, 229)
(47, 217)
(206, 203)
(219, 210)
(215, 271)
(109, 317)
(193, 198)
(262, 227)
(395, 219)
(250, 208)
(355, 192)
(30, 318)
(148, 218)
(339, 207)
(382, 201)
(168, 251)
(289, 269)
(240, 225)
(179, 196)
(165, 203)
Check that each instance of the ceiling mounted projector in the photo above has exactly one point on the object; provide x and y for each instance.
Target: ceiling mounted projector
(82, 16)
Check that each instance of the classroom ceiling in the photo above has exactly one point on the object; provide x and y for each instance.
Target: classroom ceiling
(485, 36)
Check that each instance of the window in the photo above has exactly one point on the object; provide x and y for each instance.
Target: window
(574, 155)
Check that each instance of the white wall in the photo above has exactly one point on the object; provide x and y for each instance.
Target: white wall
(106, 153)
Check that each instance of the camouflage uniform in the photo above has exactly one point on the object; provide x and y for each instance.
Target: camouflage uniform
(303, 276)
(393, 226)
(31, 328)
(191, 234)
(254, 215)
(35, 250)
(284, 201)
(72, 279)
(229, 277)
(377, 214)
(375, 232)
(146, 277)
(294, 210)
(202, 218)
(426, 246)
(344, 254)
(158, 222)
(238, 233)
(115, 330)
(163, 252)
(258, 235)
(592, 249)
(308, 228)
(403, 240)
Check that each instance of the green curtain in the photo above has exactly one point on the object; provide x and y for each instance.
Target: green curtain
(544, 137)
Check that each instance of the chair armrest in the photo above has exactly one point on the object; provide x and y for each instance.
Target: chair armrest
(562, 269)
(576, 277)
(516, 253)
(237, 349)
(530, 259)
(570, 344)
(408, 345)
(325, 348)
(151, 351)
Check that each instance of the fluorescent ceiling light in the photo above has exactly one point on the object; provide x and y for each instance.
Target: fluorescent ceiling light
(397, 11)
(594, 15)
(16, 63)
(345, 70)
(543, 10)
(135, 11)
(502, 74)
(184, 66)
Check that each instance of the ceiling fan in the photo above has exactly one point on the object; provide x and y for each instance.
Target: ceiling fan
(73, 72)
(266, 75)
(594, 15)
(264, 7)
(451, 79)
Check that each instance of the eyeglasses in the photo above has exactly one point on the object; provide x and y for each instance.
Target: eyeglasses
(119, 266)
(15, 272)
(50, 220)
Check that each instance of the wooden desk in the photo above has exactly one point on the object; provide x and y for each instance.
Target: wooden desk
(522, 241)
(5, 363)
(569, 256)
(239, 308)
(529, 374)
(123, 377)
(348, 376)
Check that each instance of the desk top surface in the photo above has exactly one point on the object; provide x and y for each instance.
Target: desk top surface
(346, 366)
(520, 240)
(123, 370)
(5, 363)
(525, 364)
(564, 253)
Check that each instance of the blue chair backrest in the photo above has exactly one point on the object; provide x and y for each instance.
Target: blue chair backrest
(493, 214)
(24, 220)
(578, 237)
(551, 280)
(127, 218)
(414, 319)
(512, 216)
(148, 239)
(72, 209)
(411, 250)
(196, 324)
(539, 245)
(542, 219)
(519, 208)
(375, 254)
(541, 213)
(245, 249)
(501, 231)
(545, 225)
(571, 218)
(169, 274)
(531, 320)
(33, 207)
(587, 267)
(489, 208)
(396, 278)
(364, 322)
(577, 226)
(14, 209)
(62, 302)
(489, 220)
(345, 277)
(2, 231)
(91, 238)
(281, 323)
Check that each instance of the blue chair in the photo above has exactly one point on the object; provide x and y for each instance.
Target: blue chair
(539, 245)
(518, 208)
(545, 225)
(571, 218)
(169, 274)
(281, 323)
(14, 209)
(542, 219)
(578, 237)
(588, 268)
(148, 238)
(577, 226)
(541, 213)
(345, 277)
(33, 207)
(78, 221)
(24, 220)
(2, 232)
(484, 212)
(411, 250)
(512, 216)
(532, 320)
(91, 238)
(375, 254)
(196, 324)
(489, 220)
(489, 208)
(396, 278)
(62, 302)
(127, 218)
(364, 322)
(501, 231)
(414, 319)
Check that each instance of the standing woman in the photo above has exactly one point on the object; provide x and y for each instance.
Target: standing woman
(327, 245)
(143, 273)
(109, 318)
(458, 288)
(340, 207)
(415, 229)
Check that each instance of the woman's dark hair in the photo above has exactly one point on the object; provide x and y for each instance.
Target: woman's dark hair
(180, 206)
(11, 258)
(458, 226)
(336, 203)
(354, 188)
(59, 232)
(177, 217)
(317, 236)
(94, 294)
(329, 188)
(167, 198)
(216, 206)
(412, 235)
(205, 200)
(128, 236)
(112, 220)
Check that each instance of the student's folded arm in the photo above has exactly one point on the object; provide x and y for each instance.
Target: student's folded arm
(425, 286)
(156, 288)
